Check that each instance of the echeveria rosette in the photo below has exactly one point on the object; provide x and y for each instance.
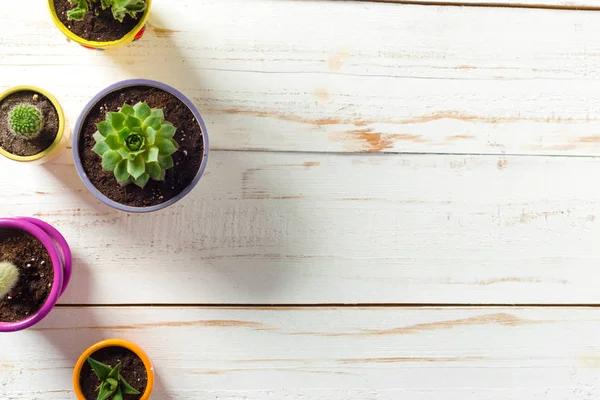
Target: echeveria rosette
(136, 144)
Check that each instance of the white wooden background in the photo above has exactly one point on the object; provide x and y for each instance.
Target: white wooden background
(462, 260)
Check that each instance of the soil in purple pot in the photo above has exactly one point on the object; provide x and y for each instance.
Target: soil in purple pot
(36, 274)
(187, 159)
(132, 370)
(19, 145)
(98, 25)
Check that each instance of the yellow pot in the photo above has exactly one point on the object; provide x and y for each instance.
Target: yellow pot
(135, 34)
(113, 343)
(59, 144)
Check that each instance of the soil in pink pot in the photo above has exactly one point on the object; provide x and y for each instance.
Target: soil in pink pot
(36, 274)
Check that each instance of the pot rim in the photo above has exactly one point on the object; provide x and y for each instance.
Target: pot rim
(58, 280)
(129, 37)
(61, 123)
(114, 343)
(121, 85)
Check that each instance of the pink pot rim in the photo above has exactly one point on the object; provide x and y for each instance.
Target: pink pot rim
(44, 233)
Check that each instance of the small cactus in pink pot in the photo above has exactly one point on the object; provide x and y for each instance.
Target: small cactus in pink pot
(9, 276)
(12, 278)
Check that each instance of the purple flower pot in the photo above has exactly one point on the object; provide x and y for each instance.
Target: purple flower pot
(60, 255)
(100, 96)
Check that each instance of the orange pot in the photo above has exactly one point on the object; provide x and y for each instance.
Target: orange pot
(114, 343)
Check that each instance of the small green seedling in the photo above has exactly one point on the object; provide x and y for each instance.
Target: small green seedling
(112, 385)
(25, 120)
(136, 144)
(119, 8)
(9, 276)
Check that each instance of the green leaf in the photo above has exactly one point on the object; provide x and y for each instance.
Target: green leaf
(121, 171)
(154, 170)
(167, 131)
(123, 133)
(126, 154)
(105, 392)
(101, 370)
(125, 183)
(98, 137)
(127, 109)
(122, 7)
(118, 394)
(137, 153)
(157, 112)
(77, 13)
(114, 384)
(142, 110)
(165, 162)
(136, 167)
(174, 144)
(142, 180)
(114, 373)
(106, 4)
(154, 122)
(150, 135)
(100, 148)
(119, 13)
(152, 155)
(127, 388)
(105, 128)
(113, 141)
(110, 159)
(134, 6)
(165, 147)
(132, 122)
(116, 120)
(104, 389)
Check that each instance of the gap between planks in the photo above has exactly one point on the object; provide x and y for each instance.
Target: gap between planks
(330, 305)
(539, 6)
(402, 153)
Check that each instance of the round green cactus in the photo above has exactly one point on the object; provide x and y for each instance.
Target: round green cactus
(136, 144)
(9, 275)
(25, 120)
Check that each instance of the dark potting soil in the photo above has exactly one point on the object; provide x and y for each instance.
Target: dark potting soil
(18, 145)
(35, 274)
(187, 158)
(98, 25)
(132, 369)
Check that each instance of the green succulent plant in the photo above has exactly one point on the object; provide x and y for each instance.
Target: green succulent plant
(9, 276)
(136, 144)
(25, 120)
(112, 385)
(119, 8)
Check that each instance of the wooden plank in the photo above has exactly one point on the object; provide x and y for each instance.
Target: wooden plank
(383, 78)
(323, 354)
(268, 228)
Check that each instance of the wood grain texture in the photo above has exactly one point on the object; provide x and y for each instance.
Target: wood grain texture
(268, 228)
(322, 354)
(384, 78)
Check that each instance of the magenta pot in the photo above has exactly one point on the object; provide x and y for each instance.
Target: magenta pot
(60, 255)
